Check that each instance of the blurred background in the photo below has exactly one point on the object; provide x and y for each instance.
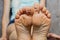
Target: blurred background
(53, 6)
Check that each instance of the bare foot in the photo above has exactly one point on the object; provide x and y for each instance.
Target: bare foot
(41, 24)
(23, 23)
(24, 17)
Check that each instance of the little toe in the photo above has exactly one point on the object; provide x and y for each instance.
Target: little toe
(49, 15)
(47, 12)
(17, 16)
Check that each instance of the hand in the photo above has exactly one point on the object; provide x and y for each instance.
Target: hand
(52, 36)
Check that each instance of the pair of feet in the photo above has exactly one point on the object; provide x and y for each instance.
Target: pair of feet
(37, 17)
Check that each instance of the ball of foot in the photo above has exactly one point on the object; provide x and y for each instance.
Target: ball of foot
(43, 17)
(23, 17)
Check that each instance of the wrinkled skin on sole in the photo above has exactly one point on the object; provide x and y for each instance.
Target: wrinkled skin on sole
(23, 17)
(41, 24)
(23, 24)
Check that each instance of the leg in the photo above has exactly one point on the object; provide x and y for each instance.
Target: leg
(5, 18)
(41, 24)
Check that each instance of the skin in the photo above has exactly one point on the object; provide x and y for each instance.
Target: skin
(52, 36)
(24, 21)
(5, 18)
(40, 19)
(11, 31)
(40, 26)
(30, 19)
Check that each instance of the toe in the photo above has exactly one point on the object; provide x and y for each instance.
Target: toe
(22, 11)
(41, 6)
(44, 10)
(47, 12)
(49, 15)
(17, 15)
(36, 7)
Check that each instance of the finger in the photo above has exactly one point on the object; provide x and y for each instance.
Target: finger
(55, 35)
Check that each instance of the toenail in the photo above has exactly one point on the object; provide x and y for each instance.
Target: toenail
(49, 15)
(44, 9)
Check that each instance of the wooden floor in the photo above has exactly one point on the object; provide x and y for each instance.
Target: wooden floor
(54, 7)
